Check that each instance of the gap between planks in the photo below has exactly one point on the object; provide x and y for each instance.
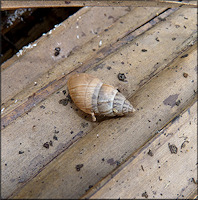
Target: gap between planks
(101, 189)
(56, 84)
(39, 186)
(99, 73)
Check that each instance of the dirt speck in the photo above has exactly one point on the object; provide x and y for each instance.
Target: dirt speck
(67, 2)
(64, 102)
(109, 68)
(57, 51)
(195, 182)
(173, 148)
(183, 144)
(46, 145)
(177, 103)
(55, 137)
(84, 124)
(145, 195)
(90, 186)
(122, 77)
(55, 131)
(64, 92)
(184, 56)
(34, 127)
(50, 143)
(150, 153)
(185, 75)
(157, 39)
(42, 106)
(79, 166)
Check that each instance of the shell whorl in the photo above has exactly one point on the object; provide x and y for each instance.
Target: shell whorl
(93, 97)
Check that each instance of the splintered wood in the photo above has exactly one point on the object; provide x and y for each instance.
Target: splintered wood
(50, 149)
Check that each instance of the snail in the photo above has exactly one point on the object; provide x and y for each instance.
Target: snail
(95, 98)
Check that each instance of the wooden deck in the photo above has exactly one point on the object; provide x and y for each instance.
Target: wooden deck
(51, 150)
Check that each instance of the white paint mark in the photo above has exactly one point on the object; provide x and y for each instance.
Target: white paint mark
(100, 43)
(57, 25)
(49, 32)
(2, 110)
(29, 46)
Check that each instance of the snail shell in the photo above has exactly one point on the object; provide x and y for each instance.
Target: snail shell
(95, 98)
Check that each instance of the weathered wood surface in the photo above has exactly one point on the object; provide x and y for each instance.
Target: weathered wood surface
(113, 140)
(107, 143)
(82, 58)
(7, 5)
(48, 118)
(157, 170)
(82, 24)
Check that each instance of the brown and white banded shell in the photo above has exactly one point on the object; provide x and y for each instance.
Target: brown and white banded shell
(95, 98)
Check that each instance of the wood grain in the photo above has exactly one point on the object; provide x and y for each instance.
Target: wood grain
(105, 147)
(166, 172)
(29, 132)
(155, 78)
(64, 35)
(7, 5)
(74, 63)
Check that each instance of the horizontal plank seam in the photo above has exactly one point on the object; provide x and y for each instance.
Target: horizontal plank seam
(192, 100)
(157, 134)
(43, 93)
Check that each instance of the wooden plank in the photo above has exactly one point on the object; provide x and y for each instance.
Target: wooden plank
(7, 5)
(80, 59)
(105, 147)
(40, 122)
(37, 156)
(45, 79)
(63, 36)
(157, 170)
